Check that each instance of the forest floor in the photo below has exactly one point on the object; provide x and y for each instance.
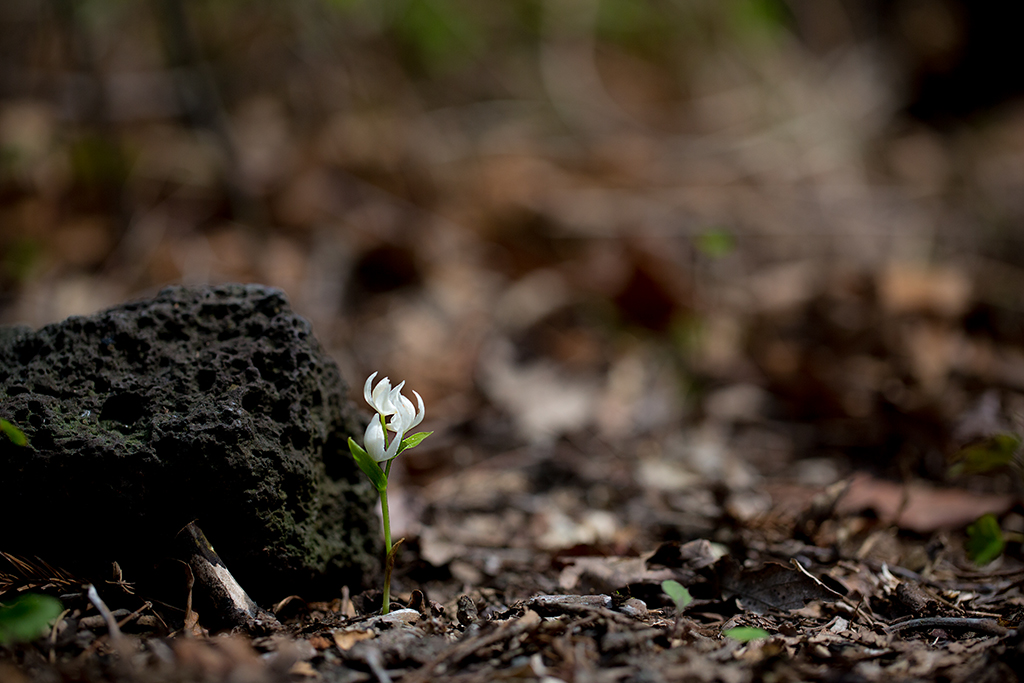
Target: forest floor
(520, 572)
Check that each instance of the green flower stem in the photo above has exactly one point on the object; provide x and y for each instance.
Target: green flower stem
(386, 515)
(387, 551)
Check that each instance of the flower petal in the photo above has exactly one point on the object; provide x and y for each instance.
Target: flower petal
(366, 389)
(395, 396)
(420, 412)
(373, 440)
(381, 400)
(392, 450)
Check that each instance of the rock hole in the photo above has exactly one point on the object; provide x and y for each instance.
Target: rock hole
(173, 332)
(260, 362)
(205, 379)
(298, 437)
(135, 349)
(215, 311)
(253, 402)
(125, 409)
(282, 412)
(28, 350)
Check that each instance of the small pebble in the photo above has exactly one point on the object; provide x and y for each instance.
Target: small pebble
(399, 616)
(634, 607)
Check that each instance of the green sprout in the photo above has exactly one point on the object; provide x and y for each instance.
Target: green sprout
(27, 617)
(745, 634)
(16, 436)
(991, 453)
(376, 449)
(680, 596)
(984, 540)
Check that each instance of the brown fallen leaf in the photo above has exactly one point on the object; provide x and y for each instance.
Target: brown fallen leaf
(773, 586)
(346, 639)
(919, 507)
(320, 643)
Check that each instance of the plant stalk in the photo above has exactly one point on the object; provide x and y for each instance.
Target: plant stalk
(385, 608)
(388, 561)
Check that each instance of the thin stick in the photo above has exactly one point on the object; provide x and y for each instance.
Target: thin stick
(963, 623)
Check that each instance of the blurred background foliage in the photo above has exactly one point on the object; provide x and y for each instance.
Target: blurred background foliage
(570, 214)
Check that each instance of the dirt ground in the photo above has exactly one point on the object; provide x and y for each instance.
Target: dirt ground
(691, 291)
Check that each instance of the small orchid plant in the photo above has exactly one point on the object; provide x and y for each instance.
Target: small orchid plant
(377, 448)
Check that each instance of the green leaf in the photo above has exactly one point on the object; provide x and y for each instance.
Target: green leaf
(368, 465)
(16, 436)
(984, 540)
(28, 617)
(413, 441)
(995, 451)
(716, 242)
(680, 596)
(745, 634)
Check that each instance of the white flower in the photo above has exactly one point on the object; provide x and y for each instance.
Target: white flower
(406, 417)
(389, 401)
(373, 442)
(382, 397)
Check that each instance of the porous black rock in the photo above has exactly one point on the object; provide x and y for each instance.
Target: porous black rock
(213, 404)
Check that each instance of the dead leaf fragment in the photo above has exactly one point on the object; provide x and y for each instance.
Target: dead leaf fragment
(320, 643)
(773, 586)
(926, 508)
(346, 639)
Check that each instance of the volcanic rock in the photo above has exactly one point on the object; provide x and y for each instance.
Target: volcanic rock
(211, 404)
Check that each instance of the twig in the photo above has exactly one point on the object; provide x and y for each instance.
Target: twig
(117, 639)
(52, 657)
(112, 628)
(376, 664)
(963, 623)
